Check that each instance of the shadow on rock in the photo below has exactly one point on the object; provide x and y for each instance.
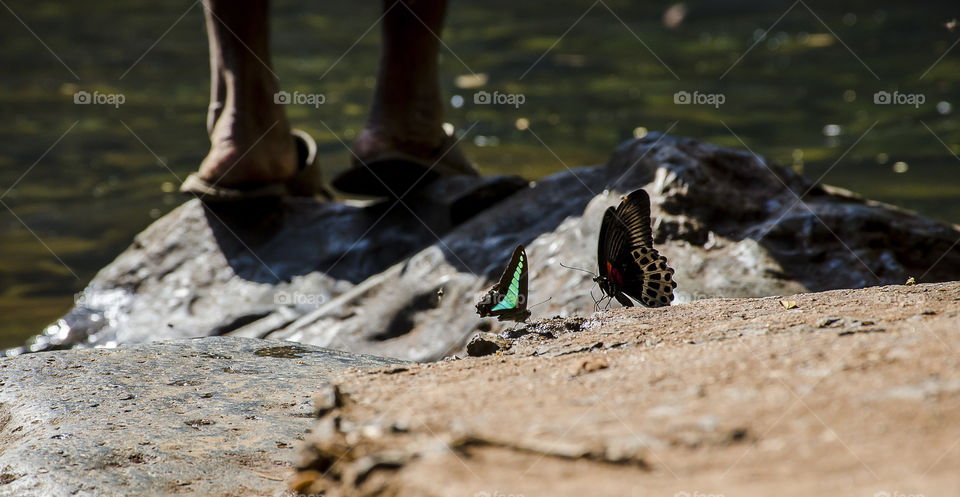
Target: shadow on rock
(275, 241)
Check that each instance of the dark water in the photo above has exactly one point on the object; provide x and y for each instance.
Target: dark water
(78, 181)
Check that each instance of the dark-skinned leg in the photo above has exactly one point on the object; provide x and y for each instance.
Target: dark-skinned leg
(250, 140)
(407, 109)
(407, 112)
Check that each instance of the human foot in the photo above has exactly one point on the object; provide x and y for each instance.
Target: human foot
(243, 152)
(382, 166)
(305, 182)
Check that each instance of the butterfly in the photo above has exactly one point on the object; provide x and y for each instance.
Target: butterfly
(629, 265)
(507, 300)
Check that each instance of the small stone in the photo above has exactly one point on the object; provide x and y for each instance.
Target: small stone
(830, 322)
(197, 423)
(738, 434)
(327, 400)
(589, 365)
(486, 344)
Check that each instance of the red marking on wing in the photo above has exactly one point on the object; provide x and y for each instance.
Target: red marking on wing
(615, 275)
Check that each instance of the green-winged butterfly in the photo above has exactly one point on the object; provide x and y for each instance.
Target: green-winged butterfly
(507, 300)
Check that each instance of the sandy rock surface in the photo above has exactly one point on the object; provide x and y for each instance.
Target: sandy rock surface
(845, 392)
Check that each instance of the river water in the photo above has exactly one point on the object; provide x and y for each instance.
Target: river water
(799, 83)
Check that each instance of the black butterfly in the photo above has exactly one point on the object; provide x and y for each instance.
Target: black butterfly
(629, 265)
(507, 300)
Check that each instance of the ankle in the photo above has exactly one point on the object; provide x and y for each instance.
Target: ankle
(418, 141)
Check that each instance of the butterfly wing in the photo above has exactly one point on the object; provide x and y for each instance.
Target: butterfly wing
(634, 213)
(508, 298)
(603, 243)
(513, 283)
(613, 243)
(522, 284)
(649, 278)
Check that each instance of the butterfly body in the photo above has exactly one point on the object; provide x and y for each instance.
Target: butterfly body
(507, 300)
(612, 283)
(629, 265)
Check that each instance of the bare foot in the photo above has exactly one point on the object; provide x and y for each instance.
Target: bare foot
(246, 148)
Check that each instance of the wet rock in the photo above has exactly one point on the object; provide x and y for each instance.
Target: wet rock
(369, 279)
(161, 418)
(253, 268)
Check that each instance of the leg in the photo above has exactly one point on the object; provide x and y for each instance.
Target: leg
(249, 134)
(407, 110)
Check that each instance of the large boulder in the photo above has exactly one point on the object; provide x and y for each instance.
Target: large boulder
(732, 225)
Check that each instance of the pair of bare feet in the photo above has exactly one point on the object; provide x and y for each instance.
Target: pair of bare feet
(251, 144)
(251, 140)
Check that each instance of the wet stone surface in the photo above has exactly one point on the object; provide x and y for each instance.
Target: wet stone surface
(210, 416)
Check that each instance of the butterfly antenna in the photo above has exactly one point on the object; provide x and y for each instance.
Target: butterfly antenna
(538, 303)
(578, 269)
